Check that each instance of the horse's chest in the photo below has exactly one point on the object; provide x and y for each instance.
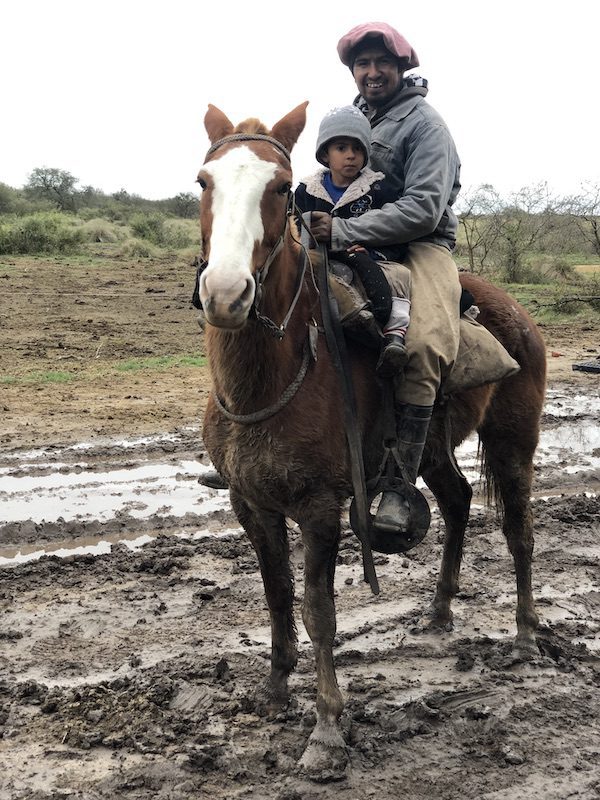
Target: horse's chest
(261, 463)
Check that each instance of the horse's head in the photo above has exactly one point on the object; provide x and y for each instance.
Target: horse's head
(246, 182)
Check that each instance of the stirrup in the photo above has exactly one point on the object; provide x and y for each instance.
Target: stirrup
(398, 534)
(419, 516)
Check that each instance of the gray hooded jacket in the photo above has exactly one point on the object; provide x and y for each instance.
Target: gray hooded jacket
(413, 147)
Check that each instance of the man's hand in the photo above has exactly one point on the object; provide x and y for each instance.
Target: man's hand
(320, 226)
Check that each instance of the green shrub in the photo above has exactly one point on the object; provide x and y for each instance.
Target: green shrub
(137, 248)
(150, 227)
(42, 232)
(101, 230)
(552, 267)
(180, 234)
(175, 234)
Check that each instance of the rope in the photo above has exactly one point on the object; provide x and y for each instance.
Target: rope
(270, 411)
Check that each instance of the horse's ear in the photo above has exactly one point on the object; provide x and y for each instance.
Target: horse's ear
(217, 124)
(288, 129)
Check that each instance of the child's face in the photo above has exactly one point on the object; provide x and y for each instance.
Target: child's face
(345, 158)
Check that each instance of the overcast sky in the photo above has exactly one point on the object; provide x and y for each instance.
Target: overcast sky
(115, 92)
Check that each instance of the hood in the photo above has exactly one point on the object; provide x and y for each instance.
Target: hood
(359, 187)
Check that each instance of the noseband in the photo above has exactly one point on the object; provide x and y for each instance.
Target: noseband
(260, 274)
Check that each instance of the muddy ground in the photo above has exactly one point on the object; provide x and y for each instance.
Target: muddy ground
(134, 630)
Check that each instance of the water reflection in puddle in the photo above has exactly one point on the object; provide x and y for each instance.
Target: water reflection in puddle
(9, 556)
(579, 436)
(152, 488)
(54, 485)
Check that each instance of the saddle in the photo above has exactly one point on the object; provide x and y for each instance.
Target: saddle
(481, 358)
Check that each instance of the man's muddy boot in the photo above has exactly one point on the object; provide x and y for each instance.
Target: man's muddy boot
(412, 423)
(213, 479)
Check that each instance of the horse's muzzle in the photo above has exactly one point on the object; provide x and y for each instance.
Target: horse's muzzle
(226, 304)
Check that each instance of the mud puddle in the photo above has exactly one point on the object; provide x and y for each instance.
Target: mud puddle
(120, 490)
(131, 653)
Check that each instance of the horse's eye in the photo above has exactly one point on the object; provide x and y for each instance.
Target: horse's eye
(284, 188)
(202, 183)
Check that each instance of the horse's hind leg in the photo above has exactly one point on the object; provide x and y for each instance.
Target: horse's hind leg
(325, 751)
(268, 533)
(453, 494)
(509, 450)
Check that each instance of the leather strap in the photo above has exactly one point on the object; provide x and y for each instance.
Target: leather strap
(336, 344)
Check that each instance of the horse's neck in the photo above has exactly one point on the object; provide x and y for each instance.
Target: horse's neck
(252, 365)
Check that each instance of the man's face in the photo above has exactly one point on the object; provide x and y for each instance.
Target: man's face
(377, 74)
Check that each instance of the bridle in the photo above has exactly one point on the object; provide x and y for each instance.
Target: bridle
(260, 274)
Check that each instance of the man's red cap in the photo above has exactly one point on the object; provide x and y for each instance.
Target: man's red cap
(394, 41)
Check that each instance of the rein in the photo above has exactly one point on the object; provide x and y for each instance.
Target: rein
(340, 359)
(261, 274)
(270, 411)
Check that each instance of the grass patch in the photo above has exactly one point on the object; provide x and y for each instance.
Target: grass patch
(553, 302)
(158, 363)
(161, 362)
(589, 270)
(39, 377)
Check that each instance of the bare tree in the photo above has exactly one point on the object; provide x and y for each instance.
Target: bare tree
(520, 225)
(476, 209)
(584, 211)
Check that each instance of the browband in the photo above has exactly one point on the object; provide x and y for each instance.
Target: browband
(249, 137)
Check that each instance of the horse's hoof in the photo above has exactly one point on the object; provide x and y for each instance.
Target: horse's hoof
(269, 701)
(437, 621)
(439, 625)
(326, 757)
(525, 649)
(322, 764)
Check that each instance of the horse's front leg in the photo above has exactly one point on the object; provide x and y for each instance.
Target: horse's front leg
(268, 533)
(325, 753)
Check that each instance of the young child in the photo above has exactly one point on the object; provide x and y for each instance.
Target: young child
(347, 187)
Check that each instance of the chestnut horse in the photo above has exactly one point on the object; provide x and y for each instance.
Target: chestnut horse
(274, 423)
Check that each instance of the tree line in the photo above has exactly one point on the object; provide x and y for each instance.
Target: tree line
(498, 233)
(530, 234)
(48, 188)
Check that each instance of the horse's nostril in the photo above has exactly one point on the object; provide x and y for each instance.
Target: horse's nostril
(246, 295)
(244, 299)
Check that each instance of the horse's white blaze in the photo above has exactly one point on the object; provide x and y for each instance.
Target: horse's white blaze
(239, 179)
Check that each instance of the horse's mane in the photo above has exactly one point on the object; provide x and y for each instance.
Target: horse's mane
(252, 125)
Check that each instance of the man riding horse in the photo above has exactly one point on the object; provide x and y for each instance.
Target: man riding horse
(412, 145)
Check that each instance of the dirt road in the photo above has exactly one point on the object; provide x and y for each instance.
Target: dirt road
(130, 650)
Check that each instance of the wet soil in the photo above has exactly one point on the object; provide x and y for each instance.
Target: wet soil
(133, 628)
